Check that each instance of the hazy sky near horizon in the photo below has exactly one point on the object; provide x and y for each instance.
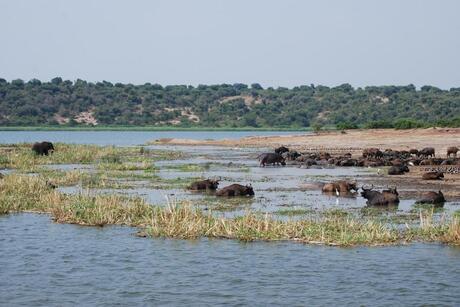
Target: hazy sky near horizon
(274, 43)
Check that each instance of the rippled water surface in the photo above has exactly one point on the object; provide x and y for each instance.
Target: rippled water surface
(47, 264)
(124, 137)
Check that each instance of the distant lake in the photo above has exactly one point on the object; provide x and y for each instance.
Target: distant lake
(126, 138)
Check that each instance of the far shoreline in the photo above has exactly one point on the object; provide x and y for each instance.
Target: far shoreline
(148, 128)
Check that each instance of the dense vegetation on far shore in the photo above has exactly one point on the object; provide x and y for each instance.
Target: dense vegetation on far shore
(64, 103)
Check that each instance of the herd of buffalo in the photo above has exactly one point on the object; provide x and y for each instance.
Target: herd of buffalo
(398, 162)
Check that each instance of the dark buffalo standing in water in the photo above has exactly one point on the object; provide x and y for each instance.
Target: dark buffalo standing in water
(207, 184)
(433, 176)
(43, 148)
(375, 198)
(236, 190)
(398, 170)
(452, 151)
(434, 198)
(271, 158)
(281, 150)
(340, 186)
(426, 152)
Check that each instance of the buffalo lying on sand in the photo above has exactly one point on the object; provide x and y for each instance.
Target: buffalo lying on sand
(271, 158)
(207, 184)
(433, 176)
(398, 170)
(236, 190)
(372, 153)
(452, 151)
(434, 198)
(426, 152)
(385, 198)
(43, 148)
(340, 186)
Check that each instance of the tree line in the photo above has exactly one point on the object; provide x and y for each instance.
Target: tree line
(62, 102)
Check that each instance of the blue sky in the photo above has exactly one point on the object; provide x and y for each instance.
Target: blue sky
(275, 43)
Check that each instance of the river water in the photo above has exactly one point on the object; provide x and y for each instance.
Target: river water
(48, 264)
(125, 138)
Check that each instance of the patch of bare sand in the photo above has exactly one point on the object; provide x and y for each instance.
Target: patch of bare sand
(351, 141)
(354, 141)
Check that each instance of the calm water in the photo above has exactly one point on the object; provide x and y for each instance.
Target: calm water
(124, 137)
(47, 264)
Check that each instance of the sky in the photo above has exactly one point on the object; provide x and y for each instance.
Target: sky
(274, 43)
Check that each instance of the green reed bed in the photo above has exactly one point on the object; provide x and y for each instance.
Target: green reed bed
(21, 157)
(20, 193)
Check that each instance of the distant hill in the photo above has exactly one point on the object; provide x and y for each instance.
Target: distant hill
(60, 102)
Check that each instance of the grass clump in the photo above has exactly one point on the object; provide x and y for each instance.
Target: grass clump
(293, 212)
(21, 157)
(20, 193)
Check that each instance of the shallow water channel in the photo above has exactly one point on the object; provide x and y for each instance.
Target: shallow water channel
(43, 263)
(278, 190)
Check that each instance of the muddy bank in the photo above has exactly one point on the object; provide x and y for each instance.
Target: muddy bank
(352, 141)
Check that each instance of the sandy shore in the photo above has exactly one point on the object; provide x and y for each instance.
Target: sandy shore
(352, 141)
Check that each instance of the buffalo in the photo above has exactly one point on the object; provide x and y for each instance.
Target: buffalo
(236, 190)
(347, 162)
(398, 170)
(271, 158)
(433, 176)
(433, 198)
(452, 151)
(375, 198)
(340, 186)
(207, 184)
(1, 176)
(281, 150)
(292, 155)
(426, 152)
(413, 152)
(391, 195)
(43, 148)
(372, 153)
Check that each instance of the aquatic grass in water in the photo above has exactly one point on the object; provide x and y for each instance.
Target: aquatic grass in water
(126, 166)
(20, 156)
(181, 220)
(293, 212)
